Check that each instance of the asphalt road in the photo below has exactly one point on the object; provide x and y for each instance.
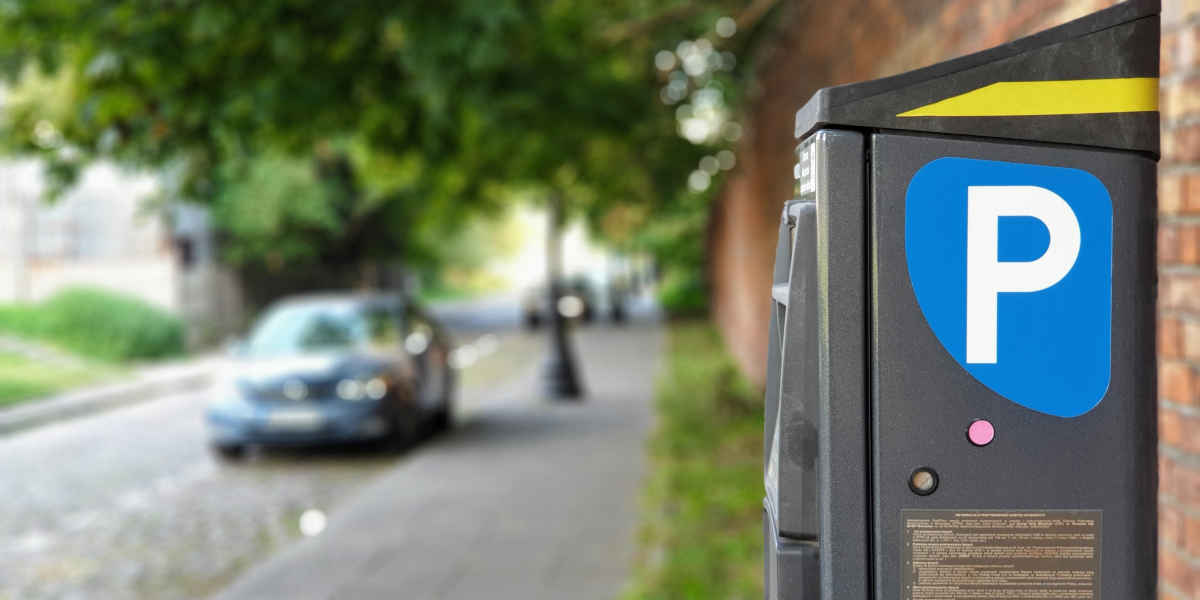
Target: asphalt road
(131, 504)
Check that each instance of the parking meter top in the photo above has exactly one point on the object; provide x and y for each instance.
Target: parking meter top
(1091, 82)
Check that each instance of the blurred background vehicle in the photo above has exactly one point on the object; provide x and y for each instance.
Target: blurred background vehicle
(333, 368)
(582, 296)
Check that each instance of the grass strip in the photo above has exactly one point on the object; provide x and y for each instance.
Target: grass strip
(701, 530)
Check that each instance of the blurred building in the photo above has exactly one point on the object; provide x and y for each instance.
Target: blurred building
(102, 234)
(818, 44)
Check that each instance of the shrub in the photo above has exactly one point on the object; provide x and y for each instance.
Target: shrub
(683, 293)
(97, 324)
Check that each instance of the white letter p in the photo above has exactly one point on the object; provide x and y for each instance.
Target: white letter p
(987, 277)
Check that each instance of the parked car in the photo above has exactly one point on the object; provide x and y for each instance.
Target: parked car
(581, 298)
(333, 368)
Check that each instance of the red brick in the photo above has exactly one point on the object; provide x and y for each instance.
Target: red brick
(1170, 193)
(1168, 54)
(1180, 291)
(1186, 485)
(1170, 427)
(1191, 434)
(1167, 483)
(1180, 99)
(1180, 431)
(1181, 144)
(1191, 535)
(1189, 240)
(1172, 526)
(1177, 383)
(1170, 338)
(1168, 243)
(1190, 201)
(1175, 570)
(1190, 334)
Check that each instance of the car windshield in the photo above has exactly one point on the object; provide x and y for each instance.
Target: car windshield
(307, 328)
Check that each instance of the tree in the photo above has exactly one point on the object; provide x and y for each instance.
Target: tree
(336, 132)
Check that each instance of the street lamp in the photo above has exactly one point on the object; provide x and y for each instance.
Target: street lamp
(560, 377)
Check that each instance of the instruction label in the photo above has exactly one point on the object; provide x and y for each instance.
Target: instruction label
(1001, 555)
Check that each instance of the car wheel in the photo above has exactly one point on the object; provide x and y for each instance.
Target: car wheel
(443, 417)
(405, 433)
(440, 421)
(229, 452)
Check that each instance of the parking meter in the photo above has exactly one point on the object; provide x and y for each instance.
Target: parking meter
(961, 379)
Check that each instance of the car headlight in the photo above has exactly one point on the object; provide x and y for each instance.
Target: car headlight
(354, 390)
(238, 408)
(228, 401)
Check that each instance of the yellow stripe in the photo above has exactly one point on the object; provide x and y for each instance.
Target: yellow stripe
(1026, 98)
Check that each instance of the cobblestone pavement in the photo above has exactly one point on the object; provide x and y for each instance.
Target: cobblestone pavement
(130, 504)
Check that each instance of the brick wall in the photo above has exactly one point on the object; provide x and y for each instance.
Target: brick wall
(827, 43)
(1179, 303)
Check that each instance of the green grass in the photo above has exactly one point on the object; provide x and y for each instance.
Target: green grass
(23, 379)
(96, 324)
(701, 531)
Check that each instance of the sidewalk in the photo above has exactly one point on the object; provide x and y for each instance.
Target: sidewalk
(524, 500)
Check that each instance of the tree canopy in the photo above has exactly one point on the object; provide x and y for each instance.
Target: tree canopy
(333, 131)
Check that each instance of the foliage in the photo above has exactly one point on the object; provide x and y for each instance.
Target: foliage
(677, 240)
(332, 131)
(97, 324)
(682, 293)
(702, 527)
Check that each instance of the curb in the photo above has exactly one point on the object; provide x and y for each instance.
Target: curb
(79, 403)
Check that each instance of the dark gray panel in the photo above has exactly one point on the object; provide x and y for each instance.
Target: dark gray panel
(779, 277)
(922, 400)
(791, 570)
(842, 470)
(798, 386)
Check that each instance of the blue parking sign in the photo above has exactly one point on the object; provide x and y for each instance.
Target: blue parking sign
(1011, 265)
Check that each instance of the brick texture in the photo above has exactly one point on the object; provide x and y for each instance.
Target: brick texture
(1179, 303)
(827, 43)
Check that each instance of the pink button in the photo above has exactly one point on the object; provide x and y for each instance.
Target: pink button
(981, 432)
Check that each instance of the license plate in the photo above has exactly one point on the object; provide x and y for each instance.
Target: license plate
(295, 419)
